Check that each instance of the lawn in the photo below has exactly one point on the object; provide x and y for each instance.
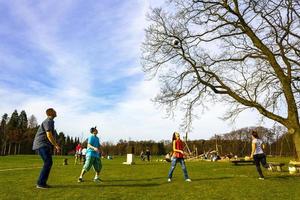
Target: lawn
(145, 180)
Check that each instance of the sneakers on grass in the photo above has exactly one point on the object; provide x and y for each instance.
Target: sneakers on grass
(261, 178)
(169, 180)
(80, 180)
(97, 180)
(42, 187)
(188, 180)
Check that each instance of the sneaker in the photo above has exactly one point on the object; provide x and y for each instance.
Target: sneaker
(80, 180)
(97, 180)
(188, 180)
(261, 178)
(169, 180)
(42, 187)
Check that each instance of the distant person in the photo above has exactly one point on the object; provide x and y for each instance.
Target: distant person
(142, 155)
(148, 153)
(178, 157)
(93, 157)
(257, 154)
(44, 142)
(78, 150)
(83, 153)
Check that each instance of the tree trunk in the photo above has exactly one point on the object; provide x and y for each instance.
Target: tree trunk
(15, 153)
(4, 148)
(281, 145)
(9, 147)
(296, 138)
(19, 148)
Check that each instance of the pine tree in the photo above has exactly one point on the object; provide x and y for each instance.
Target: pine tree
(13, 130)
(22, 127)
(3, 134)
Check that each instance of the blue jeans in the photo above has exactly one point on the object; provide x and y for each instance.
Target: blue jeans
(46, 155)
(260, 158)
(183, 167)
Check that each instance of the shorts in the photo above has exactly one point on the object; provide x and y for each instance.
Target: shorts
(92, 161)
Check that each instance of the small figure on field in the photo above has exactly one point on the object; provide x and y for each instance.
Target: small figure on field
(148, 153)
(177, 156)
(142, 155)
(78, 153)
(257, 154)
(65, 161)
(83, 154)
(44, 142)
(93, 157)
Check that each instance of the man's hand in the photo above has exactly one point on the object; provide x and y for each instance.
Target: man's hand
(96, 149)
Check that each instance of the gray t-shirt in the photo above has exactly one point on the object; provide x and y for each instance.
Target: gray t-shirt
(40, 139)
(258, 149)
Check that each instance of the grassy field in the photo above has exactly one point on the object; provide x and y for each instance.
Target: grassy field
(145, 180)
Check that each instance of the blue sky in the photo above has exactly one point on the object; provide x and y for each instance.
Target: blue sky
(83, 59)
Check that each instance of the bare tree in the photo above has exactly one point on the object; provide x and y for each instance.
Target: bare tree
(242, 52)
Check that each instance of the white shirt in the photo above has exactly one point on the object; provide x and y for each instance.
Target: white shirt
(83, 151)
(258, 149)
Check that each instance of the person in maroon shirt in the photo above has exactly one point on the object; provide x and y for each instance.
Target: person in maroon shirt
(78, 153)
(178, 157)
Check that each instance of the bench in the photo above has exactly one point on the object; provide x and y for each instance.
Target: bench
(236, 162)
(294, 167)
(276, 166)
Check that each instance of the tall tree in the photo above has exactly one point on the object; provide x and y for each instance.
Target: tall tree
(22, 128)
(3, 134)
(13, 131)
(32, 122)
(243, 52)
(23, 121)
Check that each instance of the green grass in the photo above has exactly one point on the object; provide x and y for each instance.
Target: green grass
(210, 180)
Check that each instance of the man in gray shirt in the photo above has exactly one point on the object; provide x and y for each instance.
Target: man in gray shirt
(43, 143)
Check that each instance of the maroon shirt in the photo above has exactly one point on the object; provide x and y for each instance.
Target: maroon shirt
(179, 146)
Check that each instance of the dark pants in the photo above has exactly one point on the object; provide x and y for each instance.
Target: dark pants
(260, 158)
(46, 155)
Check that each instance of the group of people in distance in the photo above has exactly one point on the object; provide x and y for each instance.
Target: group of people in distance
(80, 154)
(146, 154)
(44, 142)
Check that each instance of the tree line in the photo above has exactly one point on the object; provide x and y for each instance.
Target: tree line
(17, 133)
(238, 142)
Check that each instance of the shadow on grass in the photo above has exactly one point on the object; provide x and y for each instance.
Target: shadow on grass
(114, 183)
(283, 177)
(211, 178)
(129, 180)
(102, 185)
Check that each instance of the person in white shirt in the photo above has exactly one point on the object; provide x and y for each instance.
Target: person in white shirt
(258, 155)
(83, 153)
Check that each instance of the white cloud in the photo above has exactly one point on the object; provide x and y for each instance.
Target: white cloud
(133, 115)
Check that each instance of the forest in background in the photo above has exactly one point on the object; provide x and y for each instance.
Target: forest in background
(17, 133)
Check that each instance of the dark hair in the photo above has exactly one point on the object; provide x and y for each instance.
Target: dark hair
(51, 112)
(254, 134)
(93, 129)
(174, 136)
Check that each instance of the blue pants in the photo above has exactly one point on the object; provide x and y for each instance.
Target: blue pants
(46, 155)
(260, 158)
(183, 167)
